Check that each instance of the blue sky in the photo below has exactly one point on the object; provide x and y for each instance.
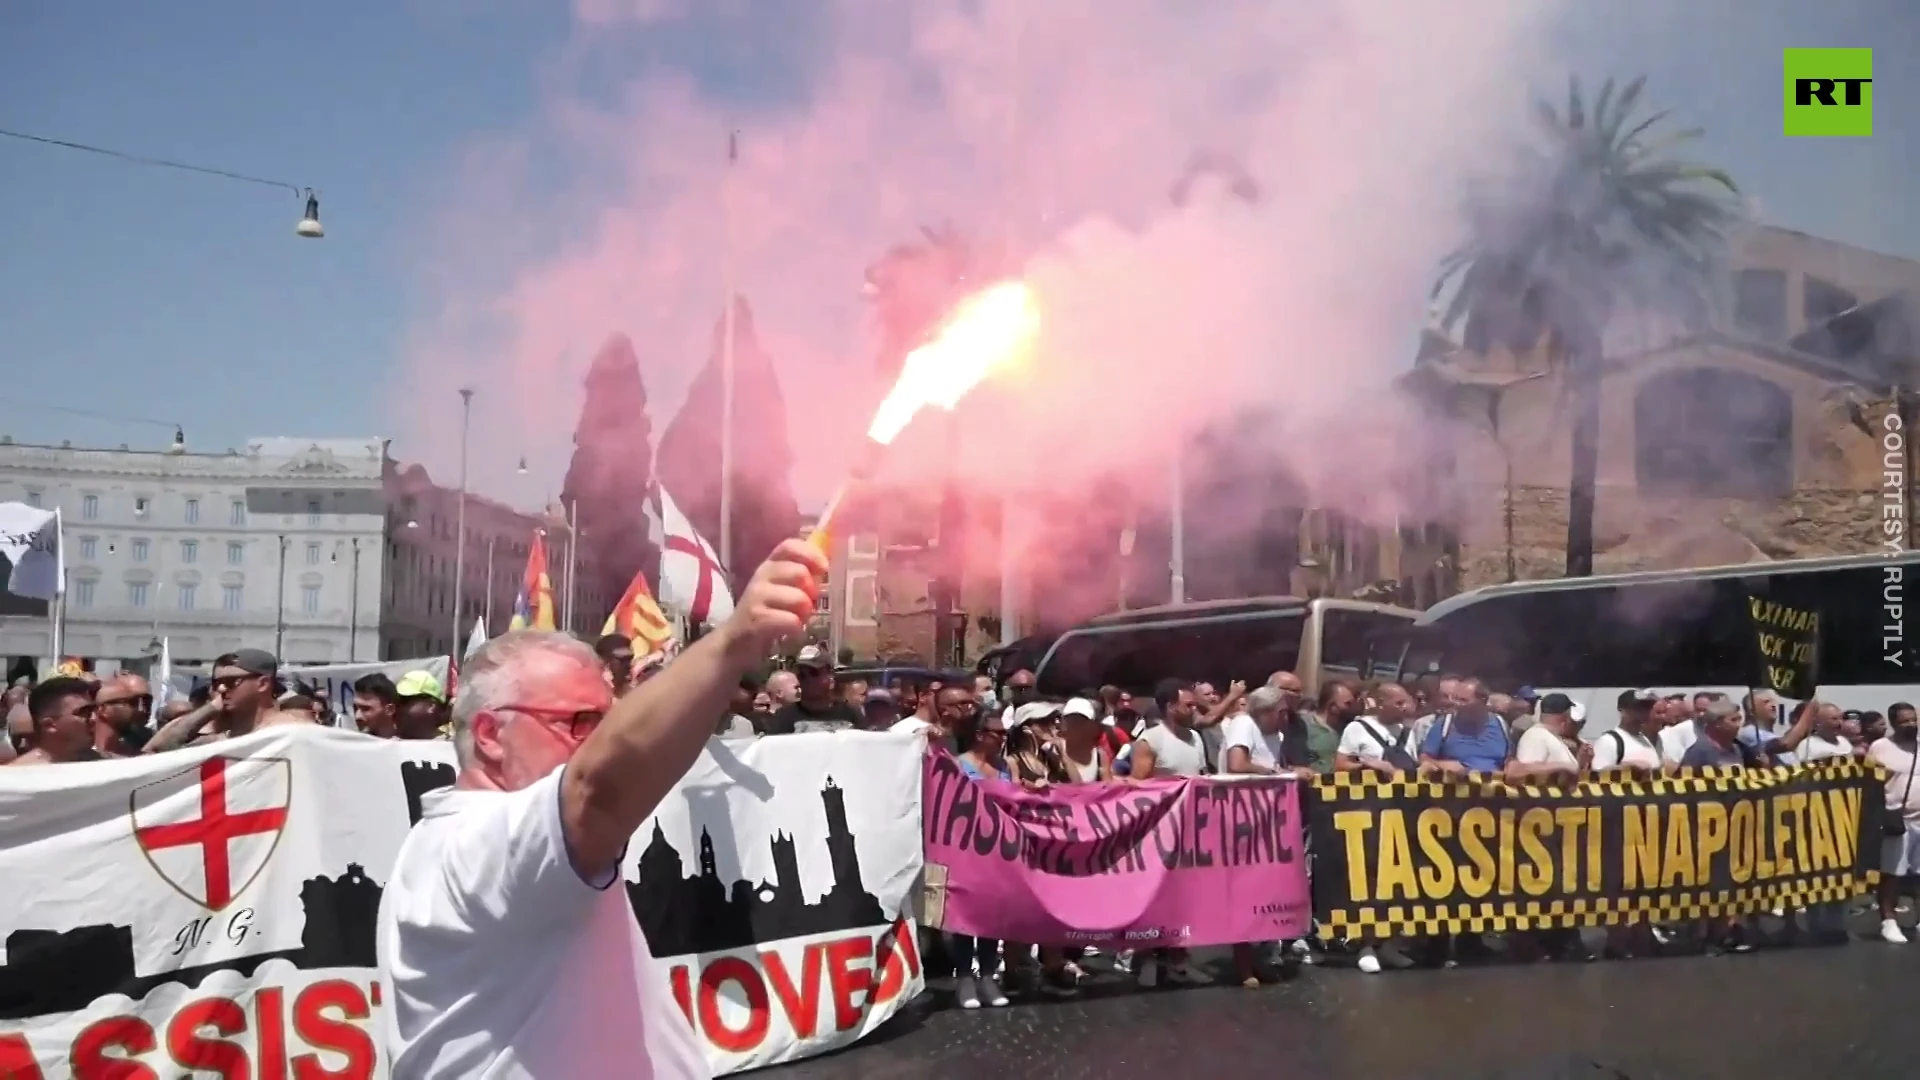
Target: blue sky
(155, 294)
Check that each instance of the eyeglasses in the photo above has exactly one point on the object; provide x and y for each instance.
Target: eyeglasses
(580, 723)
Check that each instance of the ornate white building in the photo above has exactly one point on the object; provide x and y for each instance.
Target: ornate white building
(276, 546)
(322, 551)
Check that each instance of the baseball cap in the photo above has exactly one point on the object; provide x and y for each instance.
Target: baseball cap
(1080, 707)
(879, 695)
(257, 662)
(419, 684)
(813, 658)
(1032, 711)
(1562, 705)
(1527, 694)
(1636, 699)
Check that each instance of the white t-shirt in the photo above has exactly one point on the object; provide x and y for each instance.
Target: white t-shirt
(738, 727)
(1898, 760)
(1622, 747)
(1361, 738)
(1241, 729)
(1676, 739)
(504, 965)
(1539, 746)
(1816, 747)
(1175, 756)
(910, 725)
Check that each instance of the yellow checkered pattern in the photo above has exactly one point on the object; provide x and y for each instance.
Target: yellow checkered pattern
(1471, 916)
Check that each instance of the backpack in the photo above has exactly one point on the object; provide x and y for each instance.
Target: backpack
(1621, 741)
(1393, 751)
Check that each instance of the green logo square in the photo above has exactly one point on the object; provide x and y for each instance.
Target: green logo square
(1829, 92)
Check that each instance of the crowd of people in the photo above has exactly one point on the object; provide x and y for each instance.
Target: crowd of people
(84, 717)
(1435, 726)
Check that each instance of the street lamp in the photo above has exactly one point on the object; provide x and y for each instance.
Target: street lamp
(310, 226)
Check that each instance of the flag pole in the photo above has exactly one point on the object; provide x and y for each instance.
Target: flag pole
(59, 607)
(726, 357)
(1012, 510)
(573, 560)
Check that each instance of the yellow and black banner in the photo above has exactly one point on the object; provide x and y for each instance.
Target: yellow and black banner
(1472, 856)
(1786, 647)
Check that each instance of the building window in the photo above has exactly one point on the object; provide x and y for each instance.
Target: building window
(90, 507)
(236, 553)
(1713, 433)
(189, 551)
(310, 599)
(137, 595)
(237, 513)
(33, 498)
(83, 593)
(141, 504)
(1760, 303)
(230, 597)
(313, 513)
(140, 549)
(89, 547)
(1822, 300)
(313, 554)
(863, 599)
(863, 546)
(187, 596)
(193, 511)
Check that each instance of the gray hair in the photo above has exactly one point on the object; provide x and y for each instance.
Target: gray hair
(488, 678)
(1264, 698)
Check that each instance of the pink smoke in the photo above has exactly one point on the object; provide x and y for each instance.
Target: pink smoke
(1059, 126)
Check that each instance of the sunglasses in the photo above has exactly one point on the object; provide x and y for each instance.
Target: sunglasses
(228, 682)
(142, 701)
(579, 723)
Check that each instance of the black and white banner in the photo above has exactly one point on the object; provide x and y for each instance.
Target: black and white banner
(212, 910)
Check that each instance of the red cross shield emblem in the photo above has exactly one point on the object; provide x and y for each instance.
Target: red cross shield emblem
(209, 830)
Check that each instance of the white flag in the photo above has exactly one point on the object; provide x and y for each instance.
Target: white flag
(30, 540)
(477, 638)
(692, 584)
(162, 682)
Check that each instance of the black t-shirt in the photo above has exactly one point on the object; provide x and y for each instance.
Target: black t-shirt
(797, 718)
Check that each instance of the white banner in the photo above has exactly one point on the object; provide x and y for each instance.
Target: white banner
(213, 909)
(30, 540)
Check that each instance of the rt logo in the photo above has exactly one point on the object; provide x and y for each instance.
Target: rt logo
(1829, 92)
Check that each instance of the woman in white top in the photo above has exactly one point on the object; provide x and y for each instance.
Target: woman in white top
(1080, 731)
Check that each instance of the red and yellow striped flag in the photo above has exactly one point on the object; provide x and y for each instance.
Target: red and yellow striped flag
(638, 619)
(533, 607)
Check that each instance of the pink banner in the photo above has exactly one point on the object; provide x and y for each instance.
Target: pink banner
(1155, 864)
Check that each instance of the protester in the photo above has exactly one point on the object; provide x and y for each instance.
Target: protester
(816, 708)
(877, 710)
(1441, 701)
(121, 707)
(1380, 742)
(1470, 738)
(1632, 747)
(376, 706)
(783, 689)
(1037, 761)
(616, 657)
(1383, 741)
(1338, 703)
(503, 936)
(1900, 847)
(736, 721)
(984, 693)
(63, 712)
(1169, 749)
(942, 715)
(1719, 745)
(852, 689)
(981, 741)
(1815, 736)
(1762, 712)
(1550, 752)
(420, 706)
(1087, 761)
(1017, 689)
(1677, 738)
(299, 705)
(1251, 746)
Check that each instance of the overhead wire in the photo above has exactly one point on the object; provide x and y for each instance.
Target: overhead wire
(141, 159)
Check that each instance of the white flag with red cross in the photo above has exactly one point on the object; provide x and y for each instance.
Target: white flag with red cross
(693, 585)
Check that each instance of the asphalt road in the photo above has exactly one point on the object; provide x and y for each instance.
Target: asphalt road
(1806, 1012)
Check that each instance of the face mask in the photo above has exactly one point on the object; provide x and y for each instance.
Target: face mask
(989, 702)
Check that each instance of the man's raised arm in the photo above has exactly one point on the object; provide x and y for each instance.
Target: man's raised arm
(653, 735)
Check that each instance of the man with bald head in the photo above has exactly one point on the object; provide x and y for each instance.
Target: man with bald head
(120, 707)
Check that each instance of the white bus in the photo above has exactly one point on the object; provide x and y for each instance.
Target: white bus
(1675, 631)
(1219, 641)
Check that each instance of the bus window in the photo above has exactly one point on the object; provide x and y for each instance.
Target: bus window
(1357, 644)
(1137, 657)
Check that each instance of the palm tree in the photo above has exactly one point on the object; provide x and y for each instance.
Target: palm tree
(1593, 223)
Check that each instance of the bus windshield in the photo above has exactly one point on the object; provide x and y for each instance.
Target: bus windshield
(1134, 658)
